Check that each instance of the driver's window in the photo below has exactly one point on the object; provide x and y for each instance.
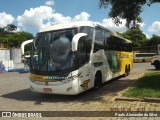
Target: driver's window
(81, 51)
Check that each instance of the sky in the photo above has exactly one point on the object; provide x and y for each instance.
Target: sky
(32, 15)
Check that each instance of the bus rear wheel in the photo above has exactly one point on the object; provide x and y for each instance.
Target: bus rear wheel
(143, 60)
(97, 80)
(127, 70)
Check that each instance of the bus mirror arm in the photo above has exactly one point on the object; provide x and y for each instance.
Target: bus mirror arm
(75, 41)
(24, 44)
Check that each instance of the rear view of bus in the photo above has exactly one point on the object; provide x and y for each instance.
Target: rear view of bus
(74, 57)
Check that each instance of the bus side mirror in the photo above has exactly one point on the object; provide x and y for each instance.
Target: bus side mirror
(76, 39)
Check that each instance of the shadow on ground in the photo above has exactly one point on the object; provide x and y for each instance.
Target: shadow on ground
(106, 92)
(154, 70)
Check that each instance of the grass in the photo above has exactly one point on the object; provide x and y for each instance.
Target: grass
(147, 86)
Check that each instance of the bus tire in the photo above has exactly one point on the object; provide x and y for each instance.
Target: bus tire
(143, 60)
(126, 71)
(129, 69)
(157, 65)
(97, 80)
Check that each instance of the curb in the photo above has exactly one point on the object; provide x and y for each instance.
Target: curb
(145, 99)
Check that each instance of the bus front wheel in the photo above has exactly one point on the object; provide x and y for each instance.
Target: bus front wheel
(97, 80)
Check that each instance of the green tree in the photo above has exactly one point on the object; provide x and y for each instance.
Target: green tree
(126, 9)
(13, 39)
(10, 28)
(137, 37)
(154, 40)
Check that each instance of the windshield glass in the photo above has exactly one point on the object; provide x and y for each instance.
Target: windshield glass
(52, 51)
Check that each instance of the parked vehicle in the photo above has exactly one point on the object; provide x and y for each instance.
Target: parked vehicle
(143, 57)
(74, 57)
(156, 59)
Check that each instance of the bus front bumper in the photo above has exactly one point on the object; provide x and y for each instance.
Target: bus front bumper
(70, 88)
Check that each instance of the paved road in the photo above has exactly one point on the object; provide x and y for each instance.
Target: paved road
(15, 95)
(146, 66)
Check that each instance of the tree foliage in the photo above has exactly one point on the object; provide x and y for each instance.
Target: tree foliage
(13, 39)
(154, 40)
(137, 37)
(10, 28)
(126, 9)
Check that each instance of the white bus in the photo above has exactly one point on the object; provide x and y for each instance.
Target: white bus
(143, 57)
(74, 57)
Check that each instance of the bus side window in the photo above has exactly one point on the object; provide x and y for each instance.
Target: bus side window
(81, 54)
(88, 38)
(129, 47)
(111, 41)
(107, 36)
(99, 40)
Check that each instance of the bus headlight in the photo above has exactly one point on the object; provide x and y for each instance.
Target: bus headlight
(69, 79)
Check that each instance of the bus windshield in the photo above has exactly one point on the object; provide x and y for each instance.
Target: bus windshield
(51, 51)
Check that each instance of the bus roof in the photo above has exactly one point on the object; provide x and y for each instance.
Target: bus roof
(68, 25)
(78, 24)
(115, 34)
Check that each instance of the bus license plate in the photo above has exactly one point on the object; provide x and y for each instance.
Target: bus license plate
(47, 90)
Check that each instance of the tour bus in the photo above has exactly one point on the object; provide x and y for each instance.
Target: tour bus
(73, 57)
(143, 57)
